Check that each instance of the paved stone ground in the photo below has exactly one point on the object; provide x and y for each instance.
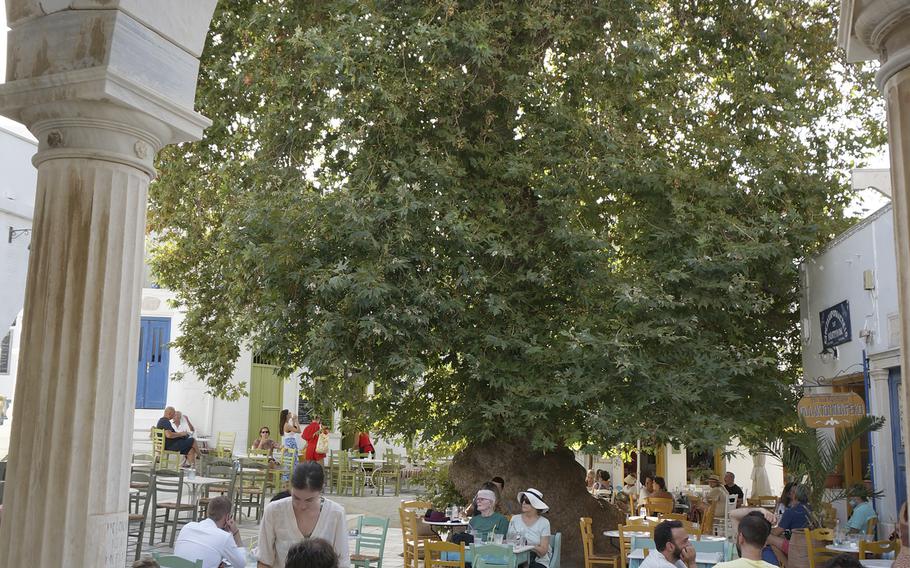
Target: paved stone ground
(379, 506)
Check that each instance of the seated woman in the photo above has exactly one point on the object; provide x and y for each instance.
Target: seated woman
(603, 480)
(487, 521)
(660, 489)
(264, 442)
(305, 514)
(532, 527)
(794, 518)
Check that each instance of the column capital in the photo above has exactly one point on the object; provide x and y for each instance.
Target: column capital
(876, 29)
(878, 374)
(116, 69)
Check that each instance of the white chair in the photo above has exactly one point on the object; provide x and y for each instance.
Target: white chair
(724, 526)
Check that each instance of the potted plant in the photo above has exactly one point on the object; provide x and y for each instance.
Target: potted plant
(813, 457)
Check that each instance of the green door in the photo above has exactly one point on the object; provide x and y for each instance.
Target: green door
(265, 400)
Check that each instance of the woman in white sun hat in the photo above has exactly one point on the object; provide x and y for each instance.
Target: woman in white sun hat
(532, 527)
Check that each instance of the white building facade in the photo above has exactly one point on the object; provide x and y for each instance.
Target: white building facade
(849, 295)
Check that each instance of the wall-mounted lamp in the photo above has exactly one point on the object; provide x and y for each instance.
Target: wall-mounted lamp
(16, 233)
(828, 354)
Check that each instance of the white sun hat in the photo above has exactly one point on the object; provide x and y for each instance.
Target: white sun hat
(535, 498)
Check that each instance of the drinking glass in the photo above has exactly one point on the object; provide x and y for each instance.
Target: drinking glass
(497, 538)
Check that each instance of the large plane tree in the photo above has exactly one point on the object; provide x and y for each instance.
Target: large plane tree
(553, 222)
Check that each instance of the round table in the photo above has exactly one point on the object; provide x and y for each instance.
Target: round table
(445, 526)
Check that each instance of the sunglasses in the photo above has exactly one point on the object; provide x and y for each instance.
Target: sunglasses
(264, 432)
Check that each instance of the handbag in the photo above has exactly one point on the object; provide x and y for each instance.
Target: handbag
(322, 443)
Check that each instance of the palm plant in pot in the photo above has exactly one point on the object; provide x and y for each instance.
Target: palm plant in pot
(812, 456)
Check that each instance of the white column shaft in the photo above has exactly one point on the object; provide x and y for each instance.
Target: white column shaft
(69, 455)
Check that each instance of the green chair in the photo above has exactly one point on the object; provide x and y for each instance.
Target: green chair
(370, 541)
(251, 488)
(389, 473)
(136, 521)
(555, 549)
(350, 475)
(169, 483)
(493, 555)
(166, 561)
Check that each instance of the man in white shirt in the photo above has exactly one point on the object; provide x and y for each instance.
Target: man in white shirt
(182, 423)
(751, 535)
(214, 540)
(673, 548)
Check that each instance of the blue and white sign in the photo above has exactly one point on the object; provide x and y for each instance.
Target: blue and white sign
(835, 324)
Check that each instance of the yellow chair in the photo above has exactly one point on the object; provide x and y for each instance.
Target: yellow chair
(224, 446)
(870, 527)
(587, 543)
(435, 551)
(816, 542)
(658, 506)
(625, 542)
(413, 541)
(162, 457)
(878, 547)
(674, 517)
(707, 521)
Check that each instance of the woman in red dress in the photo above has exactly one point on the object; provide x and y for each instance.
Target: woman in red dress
(311, 435)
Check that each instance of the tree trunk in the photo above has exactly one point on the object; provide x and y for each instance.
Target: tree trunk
(556, 474)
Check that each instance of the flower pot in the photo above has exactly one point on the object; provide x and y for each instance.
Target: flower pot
(834, 481)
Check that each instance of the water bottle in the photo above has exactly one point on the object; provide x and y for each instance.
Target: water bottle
(642, 511)
(838, 537)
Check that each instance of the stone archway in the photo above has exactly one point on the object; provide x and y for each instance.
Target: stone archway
(103, 85)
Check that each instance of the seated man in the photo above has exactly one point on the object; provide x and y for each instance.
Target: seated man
(751, 535)
(733, 489)
(673, 548)
(177, 441)
(213, 540)
(862, 512)
(794, 518)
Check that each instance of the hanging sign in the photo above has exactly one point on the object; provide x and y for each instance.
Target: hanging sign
(835, 324)
(837, 410)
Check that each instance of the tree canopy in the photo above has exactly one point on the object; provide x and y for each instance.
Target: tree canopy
(573, 221)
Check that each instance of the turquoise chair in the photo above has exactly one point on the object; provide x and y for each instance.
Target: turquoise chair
(641, 543)
(555, 549)
(368, 542)
(497, 555)
(175, 562)
(719, 546)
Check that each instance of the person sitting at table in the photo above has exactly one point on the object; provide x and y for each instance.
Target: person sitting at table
(502, 505)
(364, 445)
(647, 489)
(306, 514)
(590, 479)
(738, 515)
(717, 496)
(532, 527)
(487, 521)
(660, 489)
(265, 442)
(733, 489)
(862, 512)
(603, 480)
(177, 441)
(471, 510)
(751, 535)
(312, 553)
(214, 539)
(794, 518)
(673, 548)
(182, 423)
(787, 499)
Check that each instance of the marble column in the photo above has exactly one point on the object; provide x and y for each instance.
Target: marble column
(103, 85)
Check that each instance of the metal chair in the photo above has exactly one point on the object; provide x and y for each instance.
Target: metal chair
(136, 521)
(170, 482)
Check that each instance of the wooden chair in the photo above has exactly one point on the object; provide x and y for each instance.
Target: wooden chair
(167, 561)
(436, 554)
(169, 483)
(223, 470)
(816, 541)
(136, 521)
(413, 541)
(625, 540)
(658, 506)
(493, 555)
(224, 445)
(871, 524)
(390, 473)
(587, 544)
(350, 476)
(251, 487)
(674, 517)
(878, 547)
(164, 459)
(370, 541)
(707, 521)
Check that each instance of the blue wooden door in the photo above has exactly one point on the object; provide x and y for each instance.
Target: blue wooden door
(152, 372)
(897, 438)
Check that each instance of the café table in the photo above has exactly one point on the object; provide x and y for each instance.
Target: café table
(377, 466)
(445, 526)
(522, 553)
(877, 563)
(848, 547)
(195, 483)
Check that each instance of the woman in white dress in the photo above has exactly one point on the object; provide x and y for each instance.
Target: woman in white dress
(305, 514)
(532, 527)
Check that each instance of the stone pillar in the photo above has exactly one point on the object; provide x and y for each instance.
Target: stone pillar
(103, 85)
(882, 451)
(881, 28)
